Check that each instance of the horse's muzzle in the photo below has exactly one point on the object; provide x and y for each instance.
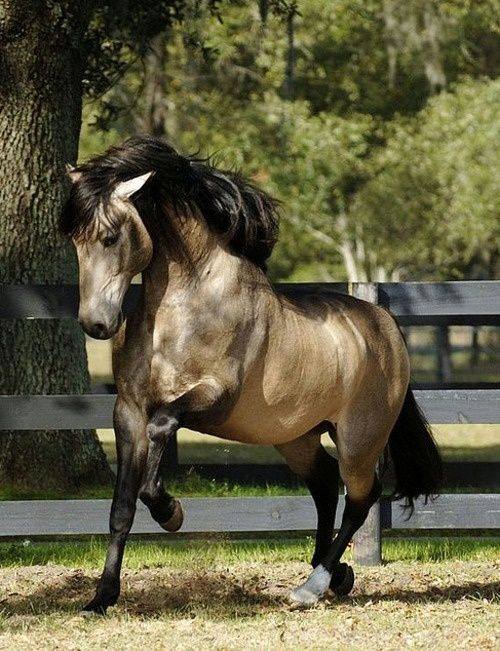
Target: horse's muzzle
(100, 329)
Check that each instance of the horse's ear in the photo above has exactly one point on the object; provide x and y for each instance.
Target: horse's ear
(126, 189)
(73, 173)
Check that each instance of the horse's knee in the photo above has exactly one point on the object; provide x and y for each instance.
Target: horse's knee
(161, 425)
(358, 472)
(121, 517)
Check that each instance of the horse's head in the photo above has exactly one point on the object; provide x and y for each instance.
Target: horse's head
(112, 247)
(112, 241)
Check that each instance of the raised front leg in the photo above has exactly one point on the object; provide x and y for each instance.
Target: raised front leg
(131, 447)
(164, 508)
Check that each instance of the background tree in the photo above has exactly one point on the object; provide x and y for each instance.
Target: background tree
(50, 52)
(432, 203)
(362, 72)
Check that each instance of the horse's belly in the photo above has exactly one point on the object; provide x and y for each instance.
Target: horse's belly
(287, 394)
(254, 420)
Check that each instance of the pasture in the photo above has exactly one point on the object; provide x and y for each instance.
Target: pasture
(430, 593)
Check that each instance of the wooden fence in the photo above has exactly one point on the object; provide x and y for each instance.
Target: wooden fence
(453, 303)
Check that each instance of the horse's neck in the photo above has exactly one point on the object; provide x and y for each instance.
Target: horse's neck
(210, 270)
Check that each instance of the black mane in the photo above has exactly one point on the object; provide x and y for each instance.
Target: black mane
(244, 216)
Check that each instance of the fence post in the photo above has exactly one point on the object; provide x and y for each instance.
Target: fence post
(367, 541)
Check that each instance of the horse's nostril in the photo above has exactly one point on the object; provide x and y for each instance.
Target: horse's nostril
(96, 329)
(100, 329)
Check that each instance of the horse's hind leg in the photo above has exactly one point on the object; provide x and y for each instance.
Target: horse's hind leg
(361, 438)
(320, 471)
(164, 508)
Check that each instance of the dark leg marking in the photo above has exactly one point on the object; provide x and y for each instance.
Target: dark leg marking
(164, 508)
(323, 484)
(131, 454)
(319, 581)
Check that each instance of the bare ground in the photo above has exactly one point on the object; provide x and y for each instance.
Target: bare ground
(448, 605)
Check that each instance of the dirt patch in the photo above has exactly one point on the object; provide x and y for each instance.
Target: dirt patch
(401, 605)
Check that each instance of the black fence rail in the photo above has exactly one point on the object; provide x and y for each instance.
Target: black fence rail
(453, 303)
(96, 410)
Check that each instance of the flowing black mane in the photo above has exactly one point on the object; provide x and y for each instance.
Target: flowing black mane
(244, 216)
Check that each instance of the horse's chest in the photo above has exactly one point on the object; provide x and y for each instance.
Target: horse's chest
(188, 360)
(195, 357)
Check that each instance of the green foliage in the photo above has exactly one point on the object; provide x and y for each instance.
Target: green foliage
(313, 164)
(379, 177)
(120, 32)
(433, 201)
(344, 50)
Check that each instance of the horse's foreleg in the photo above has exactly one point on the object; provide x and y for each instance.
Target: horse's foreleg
(131, 447)
(164, 508)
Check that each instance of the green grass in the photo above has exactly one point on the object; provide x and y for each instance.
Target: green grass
(142, 554)
(195, 486)
(192, 485)
(87, 493)
(424, 368)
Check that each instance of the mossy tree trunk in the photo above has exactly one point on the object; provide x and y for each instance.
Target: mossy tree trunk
(40, 115)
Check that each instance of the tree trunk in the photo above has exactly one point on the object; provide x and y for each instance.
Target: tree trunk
(263, 10)
(289, 83)
(152, 119)
(391, 25)
(347, 250)
(40, 114)
(431, 48)
(475, 350)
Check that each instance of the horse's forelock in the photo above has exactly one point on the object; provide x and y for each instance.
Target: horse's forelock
(88, 199)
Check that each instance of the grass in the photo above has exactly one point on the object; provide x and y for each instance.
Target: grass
(177, 554)
(424, 367)
(222, 595)
(192, 485)
(90, 493)
(468, 442)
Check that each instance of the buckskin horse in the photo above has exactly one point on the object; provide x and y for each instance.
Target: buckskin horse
(212, 346)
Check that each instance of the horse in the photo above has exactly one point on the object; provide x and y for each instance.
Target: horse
(212, 346)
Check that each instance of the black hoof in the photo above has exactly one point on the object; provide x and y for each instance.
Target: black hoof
(342, 580)
(174, 523)
(93, 608)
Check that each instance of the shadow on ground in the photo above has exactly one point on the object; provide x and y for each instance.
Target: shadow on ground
(219, 593)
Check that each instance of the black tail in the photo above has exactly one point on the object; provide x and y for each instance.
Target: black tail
(417, 463)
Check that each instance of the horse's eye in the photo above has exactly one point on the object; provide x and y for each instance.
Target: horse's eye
(109, 240)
